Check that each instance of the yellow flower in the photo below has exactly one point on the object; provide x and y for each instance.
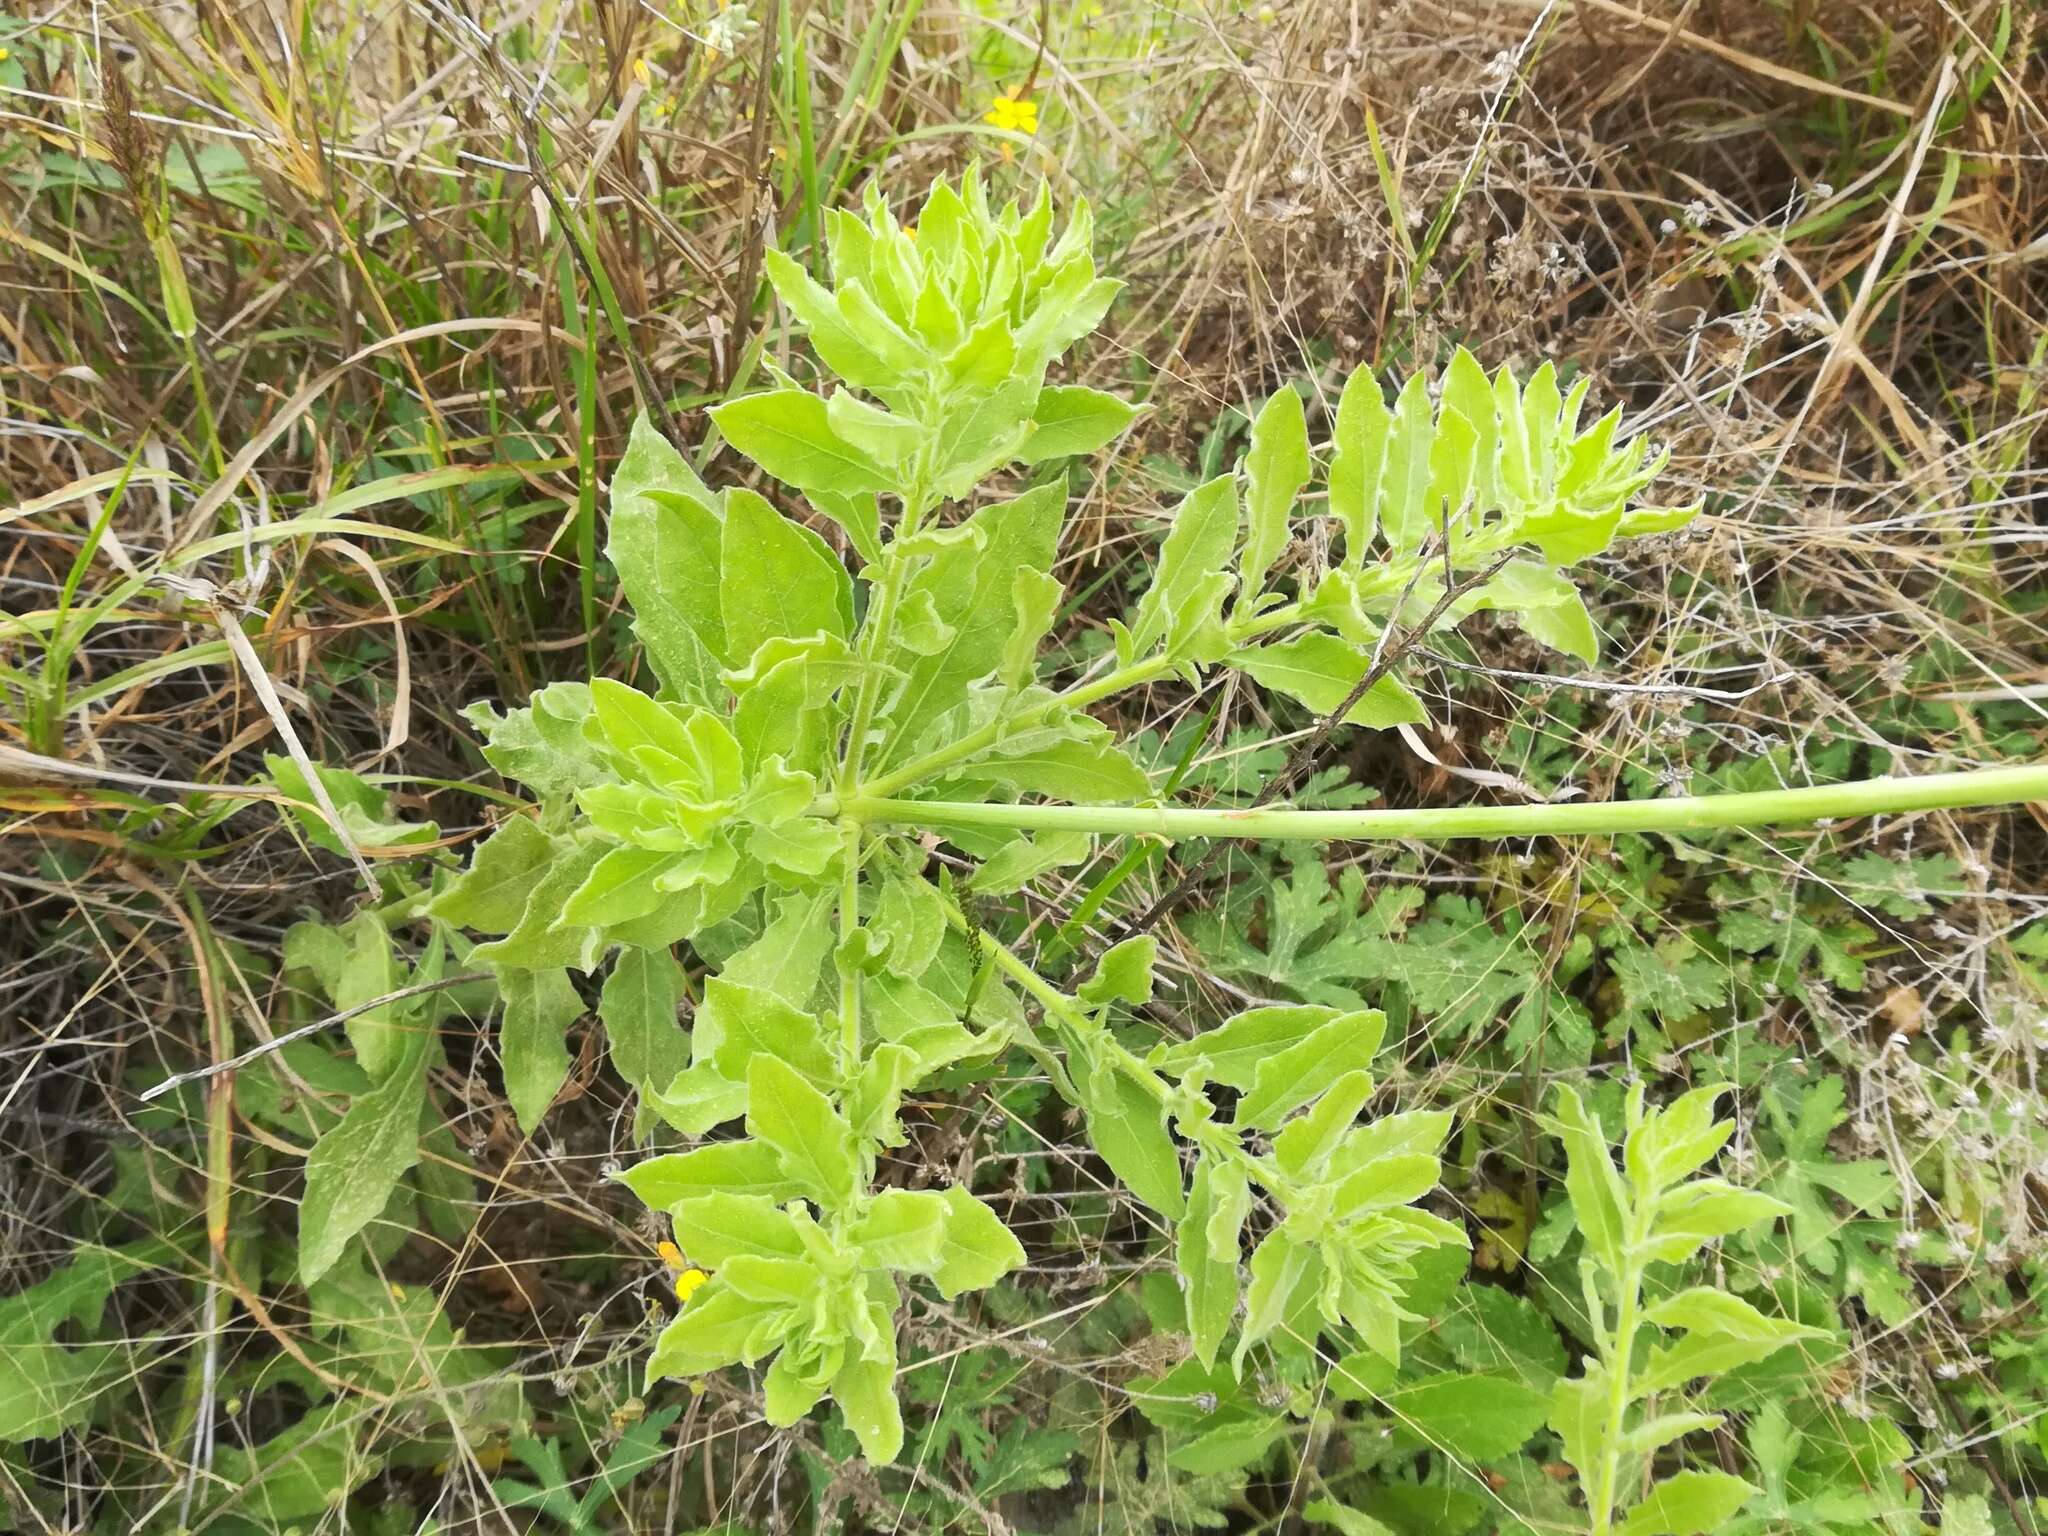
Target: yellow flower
(688, 1279)
(1012, 113)
(5, 55)
(910, 231)
(643, 74)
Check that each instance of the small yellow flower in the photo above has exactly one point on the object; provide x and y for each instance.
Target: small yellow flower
(910, 231)
(643, 74)
(671, 1255)
(5, 55)
(1012, 113)
(688, 1282)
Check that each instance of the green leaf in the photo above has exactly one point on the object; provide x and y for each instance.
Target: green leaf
(718, 1328)
(835, 341)
(1359, 465)
(1348, 1521)
(1490, 1329)
(1427, 1509)
(716, 1227)
(1128, 1128)
(778, 579)
(901, 1229)
(1468, 392)
(1286, 1080)
(1208, 1267)
(1072, 420)
(788, 433)
(1231, 1052)
(1276, 469)
(1474, 1418)
(1087, 767)
(1598, 1199)
(1183, 606)
(620, 887)
(736, 1023)
(638, 1008)
(1023, 859)
(728, 1167)
(1722, 1332)
(369, 970)
(787, 1393)
(543, 745)
(364, 809)
(1304, 1145)
(491, 894)
(800, 1123)
(978, 1249)
(970, 586)
(865, 1391)
(1688, 1503)
(353, 1169)
(1320, 670)
(1546, 604)
(889, 440)
(539, 1008)
(1695, 1214)
(1036, 597)
(536, 942)
(1405, 511)
(664, 539)
(1279, 1264)
(1124, 974)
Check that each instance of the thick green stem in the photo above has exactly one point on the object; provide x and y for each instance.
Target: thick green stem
(1685, 813)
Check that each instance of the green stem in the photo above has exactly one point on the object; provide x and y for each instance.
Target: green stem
(1219, 1141)
(1682, 813)
(849, 975)
(874, 637)
(1622, 1349)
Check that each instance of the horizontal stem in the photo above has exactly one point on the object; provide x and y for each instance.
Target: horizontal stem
(1686, 813)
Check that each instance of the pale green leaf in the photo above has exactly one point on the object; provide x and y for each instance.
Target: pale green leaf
(1072, 420)
(800, 1123)
(638, 1007)
(978, 1249)
(1689, 1503)
(788, 433)
(353, 1169)
(1276, 469)
(778, 579)
(532, 1039)
(1320, 670)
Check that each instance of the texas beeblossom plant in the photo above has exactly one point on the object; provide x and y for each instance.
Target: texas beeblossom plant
(814, 719)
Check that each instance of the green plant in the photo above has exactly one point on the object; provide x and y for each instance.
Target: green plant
(768, 805)
(1617, 1414)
